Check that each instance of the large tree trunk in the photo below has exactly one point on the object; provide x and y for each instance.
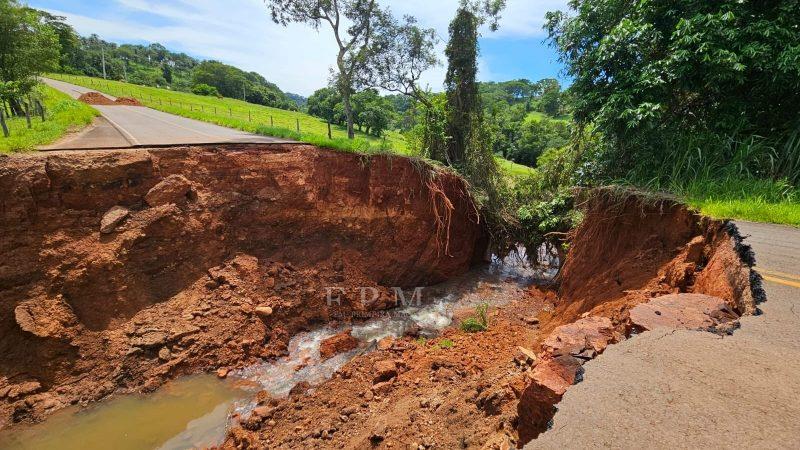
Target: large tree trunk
(348, 112)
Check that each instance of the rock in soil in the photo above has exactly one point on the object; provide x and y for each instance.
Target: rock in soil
(173, 189)
(112, 218)
(338, 343)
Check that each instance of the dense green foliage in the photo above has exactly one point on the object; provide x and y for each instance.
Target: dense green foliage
(372, 113)
(662, 75)
(235, 83)
(515, 113)
(62, 114)
(28, 47)
(204, 89)
(697, 98)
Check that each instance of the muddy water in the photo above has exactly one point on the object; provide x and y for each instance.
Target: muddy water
(183, 414)
(195, 411)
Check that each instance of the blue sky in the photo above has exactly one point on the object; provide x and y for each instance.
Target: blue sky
(297, 58)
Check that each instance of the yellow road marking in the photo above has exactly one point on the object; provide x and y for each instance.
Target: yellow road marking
(781, 281)
(778, 274)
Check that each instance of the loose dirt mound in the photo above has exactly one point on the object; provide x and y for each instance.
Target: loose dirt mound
(95, 98)
(129, 101)
(209, 258)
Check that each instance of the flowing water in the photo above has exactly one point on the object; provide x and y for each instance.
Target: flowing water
(194, 411)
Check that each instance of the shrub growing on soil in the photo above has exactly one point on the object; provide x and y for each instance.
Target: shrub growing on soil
(478, 322)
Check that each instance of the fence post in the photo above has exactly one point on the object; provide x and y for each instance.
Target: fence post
(3, 121)
(249, 116)
(298, 125)
(27, 113)
(215, 110)
(329, 131)
(41, 109)
(271, 123)
(230, 112)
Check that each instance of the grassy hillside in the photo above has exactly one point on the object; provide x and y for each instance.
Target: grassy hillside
(63, 114)
(237, 114)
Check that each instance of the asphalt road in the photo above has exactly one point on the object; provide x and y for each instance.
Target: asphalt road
(131, 126)
(686, 389)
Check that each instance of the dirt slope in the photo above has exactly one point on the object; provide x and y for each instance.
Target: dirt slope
(121, 269)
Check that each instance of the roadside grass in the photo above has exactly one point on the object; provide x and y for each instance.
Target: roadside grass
(748, 199)
(241, 115)
(62, 113)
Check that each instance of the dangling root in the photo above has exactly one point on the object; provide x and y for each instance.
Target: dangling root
(443, 213)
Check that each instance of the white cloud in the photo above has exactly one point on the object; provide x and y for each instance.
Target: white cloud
(297, 58)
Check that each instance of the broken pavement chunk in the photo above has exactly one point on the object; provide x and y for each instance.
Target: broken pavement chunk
(684, 312)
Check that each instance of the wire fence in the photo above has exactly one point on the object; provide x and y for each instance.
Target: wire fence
(30, 107)
(171, 105)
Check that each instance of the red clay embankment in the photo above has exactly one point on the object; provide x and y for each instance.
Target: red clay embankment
(122, 269)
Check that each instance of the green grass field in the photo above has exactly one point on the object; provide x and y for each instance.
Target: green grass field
(514, 169)
(63, 115)
(240, 115)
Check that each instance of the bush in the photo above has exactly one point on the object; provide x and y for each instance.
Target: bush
(204, 89)
(478, 322)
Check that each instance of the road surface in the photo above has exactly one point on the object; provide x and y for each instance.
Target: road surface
(132, 126)
(686, 389)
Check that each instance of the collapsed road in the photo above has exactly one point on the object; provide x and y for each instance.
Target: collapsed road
(122, 270)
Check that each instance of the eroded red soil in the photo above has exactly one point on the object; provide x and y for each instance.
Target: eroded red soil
(497, 389)
(122, 269)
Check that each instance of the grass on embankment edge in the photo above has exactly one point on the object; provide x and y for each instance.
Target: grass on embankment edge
(751, 211)
(750, 199)
(63, 115)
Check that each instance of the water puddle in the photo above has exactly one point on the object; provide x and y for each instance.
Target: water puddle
(187, 413)
(194, 412)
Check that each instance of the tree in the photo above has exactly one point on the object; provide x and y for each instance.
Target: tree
(536, 136)
(166, 72)
(322, 104)
(400, 54)
(28, 47)
(227, 79)
(648, 72)
(204, 89)
(67, 37)
(353, 39)
(550, 101)
(461, 85)
(371, 112)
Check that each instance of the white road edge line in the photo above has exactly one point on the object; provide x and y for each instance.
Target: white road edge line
(139, 111)
(128, 137)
